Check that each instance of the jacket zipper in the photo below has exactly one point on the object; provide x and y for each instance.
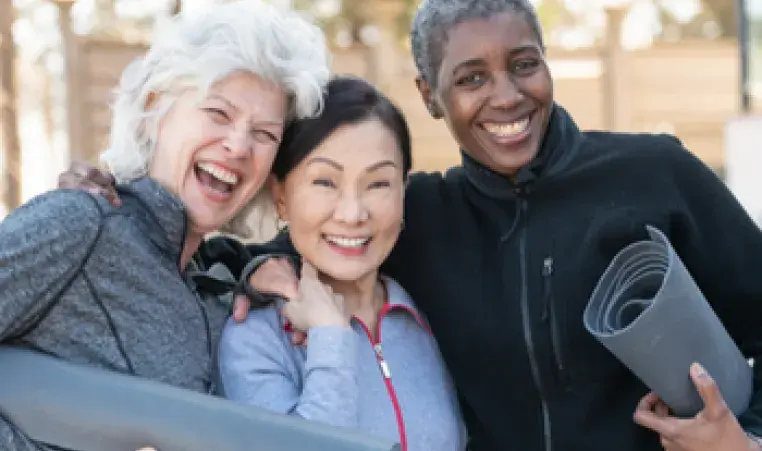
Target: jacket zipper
(208, 379)
(549, 314)
(525, 320)
(386, 373)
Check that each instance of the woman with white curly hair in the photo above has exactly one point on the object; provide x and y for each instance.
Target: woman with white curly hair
(196, 126)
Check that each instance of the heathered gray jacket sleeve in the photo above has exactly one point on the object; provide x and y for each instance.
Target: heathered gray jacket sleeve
(260, 366)
(42, 246)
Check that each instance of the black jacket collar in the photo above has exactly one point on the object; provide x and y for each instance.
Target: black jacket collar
(559, 145)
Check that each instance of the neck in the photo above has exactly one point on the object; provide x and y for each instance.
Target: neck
(191, 245)
(364, 298)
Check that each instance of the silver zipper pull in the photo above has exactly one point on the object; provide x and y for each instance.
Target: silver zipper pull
(381, 362)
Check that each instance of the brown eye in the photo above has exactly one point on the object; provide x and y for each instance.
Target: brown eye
(380, 184)
(326, 183)
(526, 66)
(474, 79)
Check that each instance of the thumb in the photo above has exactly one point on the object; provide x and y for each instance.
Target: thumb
(241, 306)
(714, 403)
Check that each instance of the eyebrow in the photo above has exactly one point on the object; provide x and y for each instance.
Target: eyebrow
(274, 122)
(480, 61)
(339, 167)
(380, 164)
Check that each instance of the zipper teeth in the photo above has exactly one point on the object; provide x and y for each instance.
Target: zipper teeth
(528, 340)
(386, 373)
(550, 313)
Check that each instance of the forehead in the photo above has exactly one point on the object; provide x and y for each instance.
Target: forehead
(363, 143)
(482, 37)
(252, 94)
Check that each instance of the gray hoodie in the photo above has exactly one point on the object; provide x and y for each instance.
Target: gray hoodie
(99, 285)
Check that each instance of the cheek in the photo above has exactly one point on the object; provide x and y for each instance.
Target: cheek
(541, 87)
(260, 165)
(388, 213)
(307, 211)
(166, 163)
(461, 110)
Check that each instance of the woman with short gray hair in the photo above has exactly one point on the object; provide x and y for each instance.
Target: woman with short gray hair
(196, 126)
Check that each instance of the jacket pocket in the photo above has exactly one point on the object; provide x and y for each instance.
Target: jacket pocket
(553, 316)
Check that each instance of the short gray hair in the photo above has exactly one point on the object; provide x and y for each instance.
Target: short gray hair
(194, 51)
(435, 18)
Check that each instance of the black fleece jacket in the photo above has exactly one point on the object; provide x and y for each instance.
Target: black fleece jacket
(504, 269)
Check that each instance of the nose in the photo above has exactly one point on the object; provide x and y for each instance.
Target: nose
(506, 94)
(238, 143)
(351, 209)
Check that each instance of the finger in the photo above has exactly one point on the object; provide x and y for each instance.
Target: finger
(112, 196)
(667, 427)
(661, 409)
(298, 338)
(646, 416)
(714, 403)
(80, 168)
(109, 194)
(648, 402)
(101, 178)
(275, 276)
(241, 305)
(68, 180)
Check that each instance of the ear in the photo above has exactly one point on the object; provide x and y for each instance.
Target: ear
(151, 99)
(278, 192)
(427, 95)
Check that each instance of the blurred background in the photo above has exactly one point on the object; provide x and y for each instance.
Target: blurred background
(688, 67)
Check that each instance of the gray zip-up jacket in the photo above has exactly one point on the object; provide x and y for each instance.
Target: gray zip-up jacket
(99, 285)
(393, 385)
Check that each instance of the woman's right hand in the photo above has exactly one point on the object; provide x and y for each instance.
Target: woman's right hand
(316, 305)
(86, 177)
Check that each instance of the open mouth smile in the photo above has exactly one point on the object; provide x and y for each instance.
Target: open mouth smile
(508, 132)
(348, 246)
(218, 182)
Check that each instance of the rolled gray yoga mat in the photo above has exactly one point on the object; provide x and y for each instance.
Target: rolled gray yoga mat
(87, 409)
(648, 311)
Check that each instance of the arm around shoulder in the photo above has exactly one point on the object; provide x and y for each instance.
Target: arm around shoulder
(42, 247)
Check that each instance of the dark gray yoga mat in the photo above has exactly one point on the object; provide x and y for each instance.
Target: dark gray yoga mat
(648, 311)
(87, 409)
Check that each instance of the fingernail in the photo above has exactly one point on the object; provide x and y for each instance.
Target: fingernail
(699, 371)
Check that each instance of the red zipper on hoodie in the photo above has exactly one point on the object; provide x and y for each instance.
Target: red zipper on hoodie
(384, 367)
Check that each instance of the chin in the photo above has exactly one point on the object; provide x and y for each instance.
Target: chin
(346, 274)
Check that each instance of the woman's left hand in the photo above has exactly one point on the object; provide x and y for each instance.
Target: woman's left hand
(715, 428)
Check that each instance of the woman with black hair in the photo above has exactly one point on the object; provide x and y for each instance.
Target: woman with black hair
(371, 363)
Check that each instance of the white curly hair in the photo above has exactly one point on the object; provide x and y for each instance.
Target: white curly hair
(194, 51)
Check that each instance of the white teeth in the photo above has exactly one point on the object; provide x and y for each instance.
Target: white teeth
(505, 130)
(219, 173)
(347, 242)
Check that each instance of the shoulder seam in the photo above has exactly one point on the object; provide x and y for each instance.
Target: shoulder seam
(35, 322)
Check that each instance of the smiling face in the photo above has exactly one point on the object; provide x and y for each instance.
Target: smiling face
(217, 153)
(494, 90)
(344, 201)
